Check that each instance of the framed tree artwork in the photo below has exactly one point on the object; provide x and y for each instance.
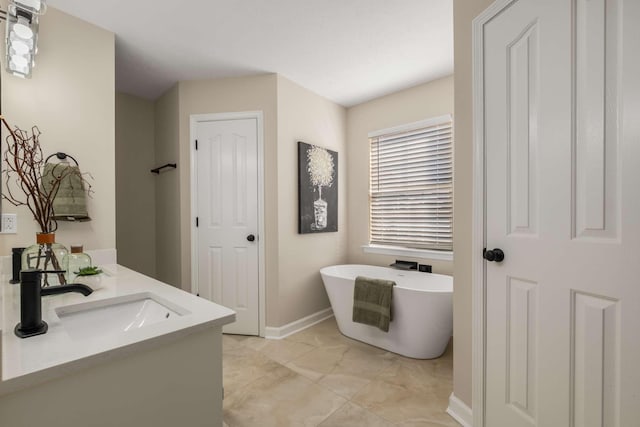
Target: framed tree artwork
(317, 189)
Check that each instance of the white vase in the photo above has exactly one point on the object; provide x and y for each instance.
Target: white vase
(94, 281)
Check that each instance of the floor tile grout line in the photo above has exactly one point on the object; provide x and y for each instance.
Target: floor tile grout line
(287, 361)
(296, 373)
(258, 378)
(434, 369)
(333, 412)
(373, 413)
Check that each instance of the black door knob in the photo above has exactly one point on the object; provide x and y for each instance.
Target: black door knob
(493, 255)
(251, 237)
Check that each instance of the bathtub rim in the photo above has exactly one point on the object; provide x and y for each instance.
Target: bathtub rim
(412, 273)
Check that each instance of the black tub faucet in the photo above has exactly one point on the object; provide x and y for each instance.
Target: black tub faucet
(404, 265)
(31, 322)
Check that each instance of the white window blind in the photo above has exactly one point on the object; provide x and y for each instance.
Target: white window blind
(411, 194)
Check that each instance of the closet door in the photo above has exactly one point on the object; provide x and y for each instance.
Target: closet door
(227, 210)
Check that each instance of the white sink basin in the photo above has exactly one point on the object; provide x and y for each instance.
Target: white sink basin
(116, 315)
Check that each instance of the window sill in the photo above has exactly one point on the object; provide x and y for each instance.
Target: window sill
(414, 253)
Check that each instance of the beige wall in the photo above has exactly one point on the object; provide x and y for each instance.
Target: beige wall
(71, 99)
(135, 185)
(418, 103)
(305, 116)
(293, 285)
(464, 12)
(254, 93)
(167, 226)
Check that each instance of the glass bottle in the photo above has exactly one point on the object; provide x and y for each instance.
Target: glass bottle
(320, 212)
(75, 261)
(46, 255)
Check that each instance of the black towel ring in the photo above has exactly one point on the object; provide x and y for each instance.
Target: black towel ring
(62, 156)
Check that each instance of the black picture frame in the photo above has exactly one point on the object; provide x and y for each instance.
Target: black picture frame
(317, 189)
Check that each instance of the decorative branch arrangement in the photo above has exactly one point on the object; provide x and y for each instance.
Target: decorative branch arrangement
(25, 172)
(25, 165)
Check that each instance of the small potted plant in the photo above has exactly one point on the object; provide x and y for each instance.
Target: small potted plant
(90, 276)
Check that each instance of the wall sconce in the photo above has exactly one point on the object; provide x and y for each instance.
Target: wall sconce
(22, 35)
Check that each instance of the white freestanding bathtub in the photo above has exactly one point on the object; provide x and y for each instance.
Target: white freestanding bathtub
(422, 309)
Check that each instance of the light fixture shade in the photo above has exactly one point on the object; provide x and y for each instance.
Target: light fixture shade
(37, 7)
(22, 36)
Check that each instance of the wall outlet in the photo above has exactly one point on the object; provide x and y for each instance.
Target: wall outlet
(9, 224)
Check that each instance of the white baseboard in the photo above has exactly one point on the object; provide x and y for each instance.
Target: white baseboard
(298, 325)
(460, 412)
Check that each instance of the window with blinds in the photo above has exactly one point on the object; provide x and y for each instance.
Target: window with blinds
(411, 194)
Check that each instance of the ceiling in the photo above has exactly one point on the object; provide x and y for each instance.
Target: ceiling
(348, 51)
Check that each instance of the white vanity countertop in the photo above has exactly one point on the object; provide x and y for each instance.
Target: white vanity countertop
(36, 359)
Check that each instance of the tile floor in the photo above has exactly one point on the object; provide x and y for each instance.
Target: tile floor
(319, 377)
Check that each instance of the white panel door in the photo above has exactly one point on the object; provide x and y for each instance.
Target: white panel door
(562, 203)
(227, 211)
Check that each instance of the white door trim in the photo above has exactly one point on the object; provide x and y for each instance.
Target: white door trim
(478, 284)
(194, 119)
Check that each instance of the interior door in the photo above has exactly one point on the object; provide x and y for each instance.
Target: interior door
(227, 211)
(562, 203)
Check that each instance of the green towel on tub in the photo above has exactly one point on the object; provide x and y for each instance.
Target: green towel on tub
(372, 300)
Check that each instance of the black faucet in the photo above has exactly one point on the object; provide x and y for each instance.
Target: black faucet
(63, 289)
(31, 322)
(16, 263)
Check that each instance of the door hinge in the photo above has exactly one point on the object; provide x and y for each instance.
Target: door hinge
(196, 144)
(197, 222)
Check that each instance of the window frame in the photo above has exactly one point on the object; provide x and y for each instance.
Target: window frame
(388, 249)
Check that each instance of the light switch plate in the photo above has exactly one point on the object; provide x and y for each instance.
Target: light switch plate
(9, 224)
